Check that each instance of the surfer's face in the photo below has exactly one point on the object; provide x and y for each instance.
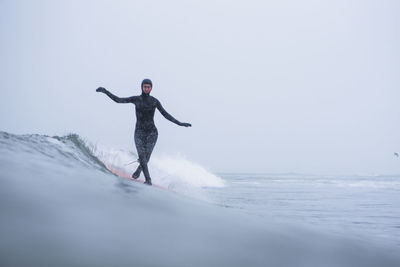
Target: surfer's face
(146, 88)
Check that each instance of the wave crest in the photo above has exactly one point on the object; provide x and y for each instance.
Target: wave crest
(174, 172)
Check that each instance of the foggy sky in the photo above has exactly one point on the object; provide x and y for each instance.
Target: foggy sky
(269, 86)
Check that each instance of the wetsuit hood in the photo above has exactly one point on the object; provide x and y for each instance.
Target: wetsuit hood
(145, 81)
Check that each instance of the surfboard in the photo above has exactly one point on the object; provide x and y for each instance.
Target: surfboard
(125, 175)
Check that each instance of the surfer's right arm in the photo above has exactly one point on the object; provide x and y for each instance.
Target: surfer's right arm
(116, 98)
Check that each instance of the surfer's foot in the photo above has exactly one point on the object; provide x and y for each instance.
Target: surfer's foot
(148, 182)
(136, 174)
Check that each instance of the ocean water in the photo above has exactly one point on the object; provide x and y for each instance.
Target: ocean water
(364, 207)
(60, 206)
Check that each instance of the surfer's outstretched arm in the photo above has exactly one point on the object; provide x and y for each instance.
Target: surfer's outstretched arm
(116, 98)
(169, 116)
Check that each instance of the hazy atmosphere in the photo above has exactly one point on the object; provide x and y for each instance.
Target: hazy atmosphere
(292, 158)
(269, 86)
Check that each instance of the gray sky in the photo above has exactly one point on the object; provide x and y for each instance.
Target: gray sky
(269, 86)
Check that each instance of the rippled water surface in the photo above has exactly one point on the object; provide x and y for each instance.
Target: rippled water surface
(367, 207)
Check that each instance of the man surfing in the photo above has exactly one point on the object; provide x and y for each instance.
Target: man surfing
(146, 133)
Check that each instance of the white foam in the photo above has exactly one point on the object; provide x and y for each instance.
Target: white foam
(173, 172)
(123, 159)
(178, 171)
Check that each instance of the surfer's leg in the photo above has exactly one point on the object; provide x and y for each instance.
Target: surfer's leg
(140, 143)
(136, 174)
(142, 148)
(149, 142)
(143, 164)
(146, 173)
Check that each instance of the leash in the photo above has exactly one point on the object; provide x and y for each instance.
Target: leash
(132, 162)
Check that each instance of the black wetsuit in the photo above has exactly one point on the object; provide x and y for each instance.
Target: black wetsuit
(145, 132)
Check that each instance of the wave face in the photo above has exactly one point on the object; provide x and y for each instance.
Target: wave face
(60, 206)
(176, 173)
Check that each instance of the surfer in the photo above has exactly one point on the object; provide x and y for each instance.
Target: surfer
(146, 133)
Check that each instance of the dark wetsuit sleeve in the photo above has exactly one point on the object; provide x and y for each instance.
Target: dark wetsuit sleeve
(166, 114)
(117, 99)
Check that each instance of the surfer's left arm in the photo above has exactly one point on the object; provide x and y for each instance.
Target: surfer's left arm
(169, 116)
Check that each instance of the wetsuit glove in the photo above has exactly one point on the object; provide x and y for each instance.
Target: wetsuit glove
(101, 89)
